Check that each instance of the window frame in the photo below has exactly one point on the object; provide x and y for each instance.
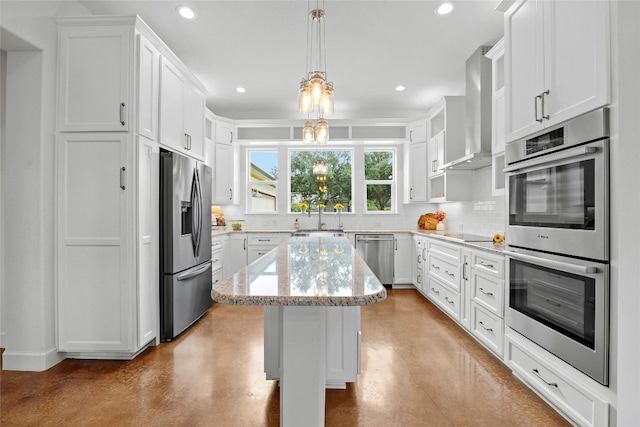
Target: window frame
(250, 182)
(393, 182)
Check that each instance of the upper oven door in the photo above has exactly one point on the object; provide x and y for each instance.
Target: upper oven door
(558, 202)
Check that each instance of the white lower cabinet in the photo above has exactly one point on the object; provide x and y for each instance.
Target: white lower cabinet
(444, 297)
(218, 245)
(402, 269)
(577, 397)
(238, 249)
(343, 344)
(261, 243)
(417, 253)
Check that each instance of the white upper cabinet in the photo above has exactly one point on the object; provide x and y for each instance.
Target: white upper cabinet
(417, 131)
(224, 133)
(418, 172)
(557, 62)
(148, 88)
(181, 112)
(95, 77)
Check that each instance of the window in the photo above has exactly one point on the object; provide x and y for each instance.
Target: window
(263, 181)
(335, 187)
(379, 180)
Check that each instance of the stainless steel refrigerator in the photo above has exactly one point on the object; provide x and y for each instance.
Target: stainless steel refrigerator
(185, 242)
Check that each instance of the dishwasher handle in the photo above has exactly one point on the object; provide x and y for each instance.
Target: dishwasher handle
(374, 239)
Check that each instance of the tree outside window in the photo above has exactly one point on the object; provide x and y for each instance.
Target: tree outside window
(379, 180)
(263, 181)
(306, 188)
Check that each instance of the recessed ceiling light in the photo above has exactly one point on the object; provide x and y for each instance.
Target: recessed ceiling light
(186, 12)
(240, 90)
(400, 88)
(444, 8)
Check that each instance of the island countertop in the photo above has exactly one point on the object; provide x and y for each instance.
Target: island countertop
(304, 271)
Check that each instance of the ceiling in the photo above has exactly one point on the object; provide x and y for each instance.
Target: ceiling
(371, 47)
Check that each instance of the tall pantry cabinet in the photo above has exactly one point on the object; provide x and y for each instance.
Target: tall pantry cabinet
(107, 158)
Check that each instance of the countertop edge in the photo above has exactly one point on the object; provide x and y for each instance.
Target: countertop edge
(301, 301)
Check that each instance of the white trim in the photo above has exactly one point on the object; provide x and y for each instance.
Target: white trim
(27, 361)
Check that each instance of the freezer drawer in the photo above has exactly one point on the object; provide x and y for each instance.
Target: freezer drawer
(377, 251)
(186, 297)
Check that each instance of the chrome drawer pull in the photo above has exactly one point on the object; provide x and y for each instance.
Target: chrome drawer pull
(435, 266)
(486, 265)
(215, 260)
(484, 327)
(435, 291)
(448, 300)
(537, 374)
(489, 294)
(450, 274)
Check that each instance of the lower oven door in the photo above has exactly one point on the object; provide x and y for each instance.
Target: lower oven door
(562, 304)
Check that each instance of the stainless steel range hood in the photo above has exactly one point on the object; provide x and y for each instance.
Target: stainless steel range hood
(478, 113)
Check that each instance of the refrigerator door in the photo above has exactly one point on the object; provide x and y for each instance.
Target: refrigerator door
(205, 176)
(186, 298)
(183, 214)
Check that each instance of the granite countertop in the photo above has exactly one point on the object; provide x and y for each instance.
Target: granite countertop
(304, 271)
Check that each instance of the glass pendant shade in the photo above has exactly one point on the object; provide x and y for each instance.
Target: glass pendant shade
(319, 168)
(322, 131)
(326, 106)
(304, 97)
(308, 133)
(317, 88)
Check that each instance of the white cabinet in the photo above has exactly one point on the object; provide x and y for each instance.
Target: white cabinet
(498, 119)
(181, 112)
(218, 254)
(418, 172)
(95, 73)
(446, 132)
(577, 397)
(209, 141)
(224, 133)
(261, 243)
(450, 186)
(224, 174)
(436, 154)
(148, 88)
(557, 62)
(417, 131)
(343, 344)
(237, 253)
(444, 273)
(402, 268)
(418, 257)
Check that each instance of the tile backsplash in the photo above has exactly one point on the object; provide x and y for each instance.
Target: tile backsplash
(484, 215)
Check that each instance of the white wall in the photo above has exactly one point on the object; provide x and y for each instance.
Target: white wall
(28, 182)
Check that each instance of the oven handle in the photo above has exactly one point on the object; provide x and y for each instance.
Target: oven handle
(557, 265)
(566, 154)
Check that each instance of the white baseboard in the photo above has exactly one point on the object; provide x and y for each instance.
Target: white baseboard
(37, 362)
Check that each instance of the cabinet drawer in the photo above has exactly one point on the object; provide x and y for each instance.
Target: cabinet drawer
(266, 239)
(216, 258)
(488, 328)
(488, 264)
(488, 292)
(216, 277)
(448, 251)
(447, 299)
(216, 242)
(447, 271)
(578, 403)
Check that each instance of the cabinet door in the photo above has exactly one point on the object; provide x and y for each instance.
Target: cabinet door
(224, 133)
(194, 122)
(418, 131)
(402, 268)
(172, 107)
(577, 60)
(223, 175)
(523, 68)
(418, 184)
(436, 155)
(95, 274)
(237, 259)
(148, 246)
(148, 88)
(95, 74)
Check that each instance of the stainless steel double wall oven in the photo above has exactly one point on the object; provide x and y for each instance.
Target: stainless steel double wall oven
(558, 241)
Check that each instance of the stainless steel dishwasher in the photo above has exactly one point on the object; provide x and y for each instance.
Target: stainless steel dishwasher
(377, 251)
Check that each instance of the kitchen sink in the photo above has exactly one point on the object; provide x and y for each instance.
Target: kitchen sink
(319, 233)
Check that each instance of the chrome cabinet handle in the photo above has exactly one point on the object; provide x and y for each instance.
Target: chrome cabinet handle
(464, 271)
(122, 177)
(535, 107)
(231, 194)
(448, 300)
(489, 294)
(435, 291)
(244, 244)
(537, 374)
(542, 95)
(411, 193)
(411, 136)
(419, 278)
(450, 274)
(217, 280)
(484, 327)
(186, 141)
(231, 137)
(419, 260)
(486, 265)
(435, 266)
(395, 241)
(215, 260)
(122, 122)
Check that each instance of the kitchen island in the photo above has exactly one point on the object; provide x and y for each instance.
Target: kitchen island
(309, 287)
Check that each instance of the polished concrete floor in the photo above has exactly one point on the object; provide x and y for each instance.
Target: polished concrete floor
(419, 369)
